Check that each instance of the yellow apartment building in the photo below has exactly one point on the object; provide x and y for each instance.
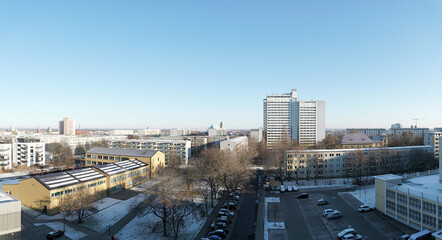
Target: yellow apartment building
(100, 155)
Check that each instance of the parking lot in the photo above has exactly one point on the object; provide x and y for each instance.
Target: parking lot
(303, 217)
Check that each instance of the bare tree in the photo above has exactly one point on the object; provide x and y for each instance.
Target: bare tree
(209, 165)
(62, 154)
(79, 202)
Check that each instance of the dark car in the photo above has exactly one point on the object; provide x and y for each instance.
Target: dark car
(302, 195)
(219, 233)
(55, 234)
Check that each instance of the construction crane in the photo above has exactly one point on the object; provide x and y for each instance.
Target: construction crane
(415, 120)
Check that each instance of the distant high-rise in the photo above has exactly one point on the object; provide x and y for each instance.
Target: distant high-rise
(286, 116)
(66, 127)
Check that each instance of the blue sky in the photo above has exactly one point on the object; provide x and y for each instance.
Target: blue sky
(164, 64)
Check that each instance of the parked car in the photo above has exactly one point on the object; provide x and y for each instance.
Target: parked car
(295, 188)
(282, 189)
(223, 219)
(346, 231)
(326, 212)
(227, 211)
(289, 188)
(219, 225)
(214, 237)
(55, 234)
(404, 237)
(302, 195)
(321, 202)
(352, 236)
(219, 232)
(335, 214)
(230, 216)
(364, 208)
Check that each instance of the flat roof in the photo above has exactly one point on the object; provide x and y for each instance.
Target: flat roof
(387, 177)
(429, 186)
(151, 140)
(129, 152)
(6, 198)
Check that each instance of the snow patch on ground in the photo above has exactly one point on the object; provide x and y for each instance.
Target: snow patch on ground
(70, 232)
(109, 216)
(141, 228)
(366, 194)
(270, 225)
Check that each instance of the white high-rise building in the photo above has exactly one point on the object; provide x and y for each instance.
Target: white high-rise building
(286, 116)
(66, 127)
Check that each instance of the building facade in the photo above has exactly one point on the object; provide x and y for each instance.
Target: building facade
(28, 152)
(256, 135)
(360, 140)
(234, 144)
(368, 131)
(286, 116)
(121, 132)
(175, 132)
(10, 215)
(154, 159)
(45, 193)
(433, 138)
(412, 204)
(5, 155)
(420, 132)
(170, 147)
(329, 163)
(66, 127)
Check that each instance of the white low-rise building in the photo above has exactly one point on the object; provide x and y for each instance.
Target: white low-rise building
(256, 135)
(121, 132)
(234, 144)
(170, 147)
(10, 215)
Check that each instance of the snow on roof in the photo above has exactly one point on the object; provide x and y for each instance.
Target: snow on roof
(356, 138)
(359, 149)
(63, 179)
(123, 152)
(429, 186)
(6, 198)
(120, 167)
(387, 177)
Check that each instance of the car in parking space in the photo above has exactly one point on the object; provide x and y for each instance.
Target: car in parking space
(223, 219)
(55, 234)
(404, 237)
(334, 215)
(219, 232)
(346, 231)
(302, 195)
(364, 208)
(295, 188)
(214, 237)
(321, 202)
(325, 212)
(226, 212)
(282, 188)
(289, 188)
(352, 236)
(220, 225)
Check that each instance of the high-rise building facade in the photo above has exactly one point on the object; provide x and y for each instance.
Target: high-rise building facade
(286, 116)
(66, 127)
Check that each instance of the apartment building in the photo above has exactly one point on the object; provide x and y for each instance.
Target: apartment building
(412, 131)
(5, 155)
(234, 144)
(121, 132)
(328, 163)
(28, 152)
(10, 215)
(74, 141)
(149, 132)
(66, 127)
(286, 116)
(45, 192)
(256, 135)
(433, 138)
(170, 147)
(174, 132)
(154, 159)
(368, 131)
(216, 130)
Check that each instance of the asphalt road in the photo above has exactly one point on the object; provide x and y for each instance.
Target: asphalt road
(304, 221)
(244, 228)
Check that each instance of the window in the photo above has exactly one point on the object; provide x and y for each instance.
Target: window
(100, 157)
(111, 158)
(88, 156)
(88, 162)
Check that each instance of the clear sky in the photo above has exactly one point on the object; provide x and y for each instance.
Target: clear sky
(165, 64)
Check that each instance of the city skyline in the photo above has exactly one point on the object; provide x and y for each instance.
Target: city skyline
(374, 66)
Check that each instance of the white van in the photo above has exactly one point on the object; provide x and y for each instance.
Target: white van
(282, 189)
